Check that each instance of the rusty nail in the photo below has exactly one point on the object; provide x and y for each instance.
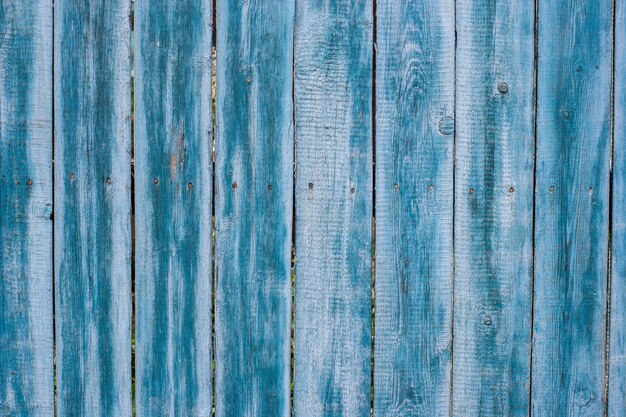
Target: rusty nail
(234, 185)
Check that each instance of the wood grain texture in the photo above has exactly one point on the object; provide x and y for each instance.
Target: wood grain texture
(92, 207)
(617, 348)
(414, 144)
(333, 91)
(173, 185)
(571, 214)
(26, 351)
(493, 208)
(254, 200)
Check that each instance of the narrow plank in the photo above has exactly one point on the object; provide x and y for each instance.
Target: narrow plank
(253, 212)
(414, 201)
(92, 207)
(334, 188)
(493, 208)
(571, 211)
(617, 348)
(173, 141)
(26, 351)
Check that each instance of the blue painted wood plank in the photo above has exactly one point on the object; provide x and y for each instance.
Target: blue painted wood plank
(334, 189)
(253, 211)
(414, 201)
(173, 141)
(571, 211)
(92, 207)
(493, 208)
(26, 345)
(617, 348)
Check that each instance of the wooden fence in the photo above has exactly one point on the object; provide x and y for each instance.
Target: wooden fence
(312, 208)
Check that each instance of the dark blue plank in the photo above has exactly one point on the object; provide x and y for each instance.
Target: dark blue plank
(173, 140)
(414, 144)
(572, 210)
(26, 362)
(617, 348)
(92, 207)
(253, 211)
(333, 92)
(493, 208)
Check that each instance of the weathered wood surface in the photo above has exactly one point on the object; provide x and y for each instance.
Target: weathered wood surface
(92, 203)
(617, 347)
(414, 193)
(26, 345)
(493, 208)
(173, 142)
(334, 187)
(253, 213)
(572, 207)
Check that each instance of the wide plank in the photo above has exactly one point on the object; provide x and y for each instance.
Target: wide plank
(572, 207)
(334, 189)
(493, 208)
(414, 202)
(254, 207)
(173, 191)
(92, 204)
(26, 345)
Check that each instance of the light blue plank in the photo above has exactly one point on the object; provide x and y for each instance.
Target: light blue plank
(26, 351)
(414, 144)
(253, 212)
(333, 92)
(493, 208)
(92, 207)
(571, 214)
(617, 348)
(173, 140)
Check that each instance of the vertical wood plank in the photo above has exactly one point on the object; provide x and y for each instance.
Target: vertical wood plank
(493, 208)
(92, 207)
(26, 351)
(571, 215)
(617, 348)
(253, 213)
(333, 91)
(414, 201)
(173, 207)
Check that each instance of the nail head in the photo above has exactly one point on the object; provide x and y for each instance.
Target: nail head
(446, 125)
